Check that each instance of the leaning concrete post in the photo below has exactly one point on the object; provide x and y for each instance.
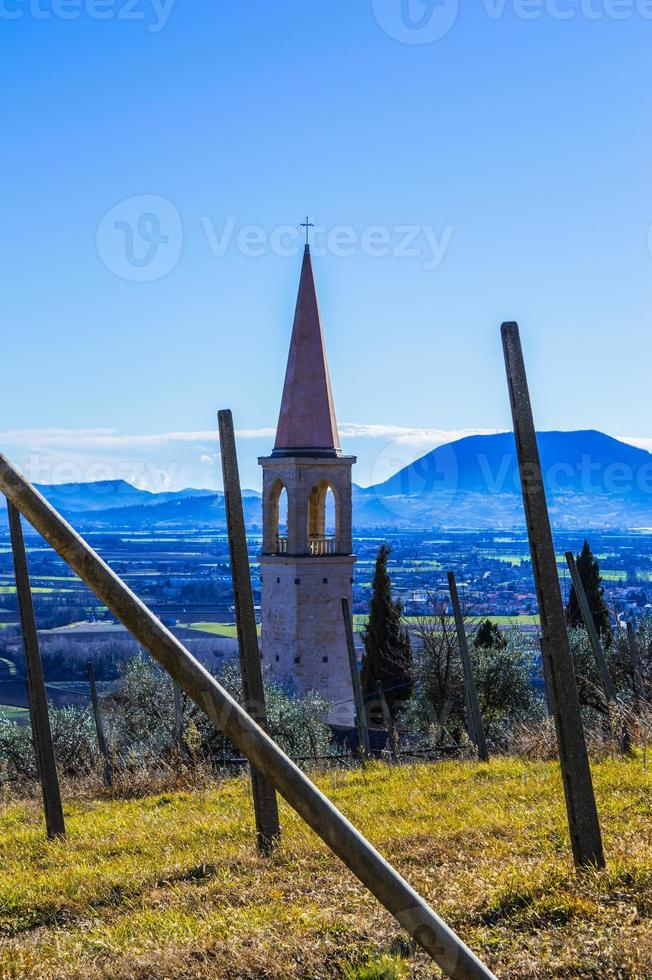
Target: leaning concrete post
(388, 722)
(360, 713)
(415, 915)
(473, 705)
(636, 663)
(178, 721)
(547, 682)
(592, 632)
(107, 771)
(598, 653)
(583, 819)
(37, 696)
(265, 806)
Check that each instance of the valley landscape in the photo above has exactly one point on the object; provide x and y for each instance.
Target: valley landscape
(326, 491)
(458, 507)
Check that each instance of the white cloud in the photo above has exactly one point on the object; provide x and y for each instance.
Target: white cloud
(405, 434)
(640, 442)
(174, 460)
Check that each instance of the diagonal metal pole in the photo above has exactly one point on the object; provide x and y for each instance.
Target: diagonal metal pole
(268, 828)
(636, 663)
(383, 881)
(38, 700)
(107, 771)
(473, 704)
(583, 821)
(360, 713)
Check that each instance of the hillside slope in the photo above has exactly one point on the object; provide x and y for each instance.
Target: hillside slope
(169, 886)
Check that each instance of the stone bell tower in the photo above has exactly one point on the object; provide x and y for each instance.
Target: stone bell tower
(307, 566)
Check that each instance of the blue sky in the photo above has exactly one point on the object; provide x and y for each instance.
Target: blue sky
(151, 160)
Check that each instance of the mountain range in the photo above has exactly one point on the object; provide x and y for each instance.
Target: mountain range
(592, 480)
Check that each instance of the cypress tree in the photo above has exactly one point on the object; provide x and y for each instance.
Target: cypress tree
(388, 656)
(589, 572)
(489, 637)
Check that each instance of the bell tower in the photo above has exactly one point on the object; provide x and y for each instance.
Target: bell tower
(307, 561)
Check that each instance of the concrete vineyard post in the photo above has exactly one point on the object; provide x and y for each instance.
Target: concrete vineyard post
(598, 652)
(360, 713)
(473, 704)
(584, 825)
(37, 695)
(107, 771)
(265, 806)
(636, 663)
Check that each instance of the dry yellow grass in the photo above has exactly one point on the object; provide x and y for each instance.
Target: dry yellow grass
(168, 886)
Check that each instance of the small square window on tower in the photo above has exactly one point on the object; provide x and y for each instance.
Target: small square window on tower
(297, 581)
(324, 660)
(297, 660)
(325, 581)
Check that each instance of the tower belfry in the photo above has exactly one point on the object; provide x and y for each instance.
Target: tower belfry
(307, 561)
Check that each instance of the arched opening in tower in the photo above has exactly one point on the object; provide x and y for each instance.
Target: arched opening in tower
(323, 519)
(279, 516)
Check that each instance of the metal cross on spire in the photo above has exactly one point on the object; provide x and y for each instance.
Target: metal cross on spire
(307, 224)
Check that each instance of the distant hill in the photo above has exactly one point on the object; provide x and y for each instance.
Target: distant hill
(110, 494)
(592, 480)
(203, 511)
(110, 504)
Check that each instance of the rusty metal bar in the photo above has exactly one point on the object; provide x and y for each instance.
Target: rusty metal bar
(268, 828)
(583, 821)
(409, 909)
(46, 764)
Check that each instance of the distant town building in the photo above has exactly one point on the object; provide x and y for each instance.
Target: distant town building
(307, 561)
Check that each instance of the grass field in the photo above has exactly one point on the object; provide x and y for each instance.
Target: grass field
(168, 886)
(359, 622)
(218, 629)
(13, 714)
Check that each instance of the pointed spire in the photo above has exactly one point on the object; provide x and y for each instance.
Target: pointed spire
(307, 419)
